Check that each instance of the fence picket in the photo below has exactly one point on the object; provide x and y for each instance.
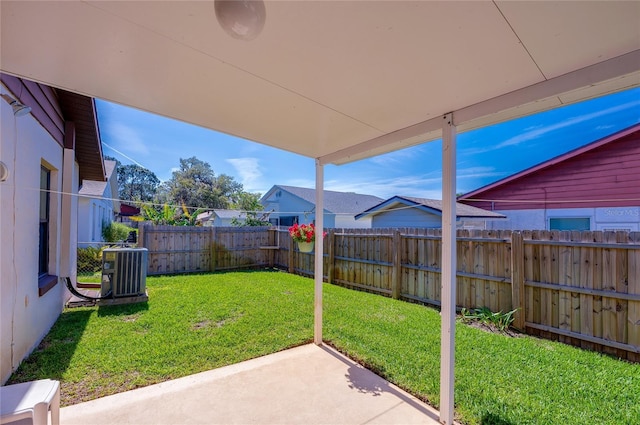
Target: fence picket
(582, 288)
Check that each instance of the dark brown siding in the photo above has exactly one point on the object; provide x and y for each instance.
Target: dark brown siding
(607, 176)
(43, 102)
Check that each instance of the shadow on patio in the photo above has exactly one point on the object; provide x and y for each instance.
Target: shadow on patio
(303, 385)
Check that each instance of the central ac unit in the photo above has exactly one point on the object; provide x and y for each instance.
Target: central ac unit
(124, 272)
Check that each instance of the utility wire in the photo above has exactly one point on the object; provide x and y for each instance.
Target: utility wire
(194, 208)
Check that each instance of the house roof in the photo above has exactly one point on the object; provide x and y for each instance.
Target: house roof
(81, 111)
(551, 162)
(208, 215)
(97, 188)
(433, 206)
(336, 81)
(127, 210)
(334, 202)
(228, 213)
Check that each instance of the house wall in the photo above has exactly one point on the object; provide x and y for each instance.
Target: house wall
(409, 217)
(95, 213)
(602, 218)
(349, 222)
(27, 315)
(294, 206)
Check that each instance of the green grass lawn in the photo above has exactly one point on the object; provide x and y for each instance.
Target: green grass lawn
(198, 322)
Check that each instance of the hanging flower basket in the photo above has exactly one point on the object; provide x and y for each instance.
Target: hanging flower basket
(305, 246)
(305, 236)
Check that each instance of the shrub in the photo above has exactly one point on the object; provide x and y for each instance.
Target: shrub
(115, 232)
(89, 260)
(500, 320)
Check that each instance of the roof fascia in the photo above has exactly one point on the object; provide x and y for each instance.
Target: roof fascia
(479, 114)
(269, 192)
(386, 206)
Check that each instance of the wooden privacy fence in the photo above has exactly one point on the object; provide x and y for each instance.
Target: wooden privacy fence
(582, 288)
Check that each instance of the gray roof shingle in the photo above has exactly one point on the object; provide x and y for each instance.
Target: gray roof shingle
(336, 202)
(97, 188)
(462, 210)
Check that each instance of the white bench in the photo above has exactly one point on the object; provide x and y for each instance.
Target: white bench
(31, 400)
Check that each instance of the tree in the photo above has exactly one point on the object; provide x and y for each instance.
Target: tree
(196, 185)
(250, 203)
(135, 183)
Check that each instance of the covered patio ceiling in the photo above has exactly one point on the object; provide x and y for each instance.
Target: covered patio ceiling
(333, 80)
(336, 81)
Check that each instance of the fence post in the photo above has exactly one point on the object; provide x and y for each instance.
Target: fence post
(271, 232)
(396, 277)
(517, 279)
(291, 253)
(213, 252)
(331, 254)
(142, 243)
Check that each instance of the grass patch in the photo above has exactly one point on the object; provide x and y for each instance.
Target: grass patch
(198, 322)
(190, 324)
(499, 379)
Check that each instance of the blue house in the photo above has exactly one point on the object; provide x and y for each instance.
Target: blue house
(220, 218)
(97, 206)
(404, 211)
(287, 205)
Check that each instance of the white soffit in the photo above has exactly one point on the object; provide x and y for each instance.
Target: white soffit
(338, 80)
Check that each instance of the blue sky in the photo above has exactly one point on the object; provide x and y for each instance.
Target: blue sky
(484, 155)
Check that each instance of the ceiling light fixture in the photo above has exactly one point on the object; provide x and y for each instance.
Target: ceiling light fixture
(19, 109)
(241, 19)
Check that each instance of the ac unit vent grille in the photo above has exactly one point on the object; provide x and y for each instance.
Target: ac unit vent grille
(124, 272)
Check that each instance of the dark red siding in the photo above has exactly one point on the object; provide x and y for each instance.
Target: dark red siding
(43, 102)
(606, 176)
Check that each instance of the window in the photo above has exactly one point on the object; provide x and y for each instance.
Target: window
(45, 186)
(284, 221)
(569, 223)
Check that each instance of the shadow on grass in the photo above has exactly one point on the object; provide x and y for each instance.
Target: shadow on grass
(491, 419)
(51, 358)
(122, 309)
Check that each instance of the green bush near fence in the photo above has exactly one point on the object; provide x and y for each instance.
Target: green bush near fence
(115, 232)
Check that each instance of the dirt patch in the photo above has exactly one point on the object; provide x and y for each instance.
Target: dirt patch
(130, 318)
(201, 324)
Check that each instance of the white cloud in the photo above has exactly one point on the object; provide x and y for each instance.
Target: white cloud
(249, 171)
(476, 172)
(416, 186)
(394, 158)
(540, 131)
(126, 139)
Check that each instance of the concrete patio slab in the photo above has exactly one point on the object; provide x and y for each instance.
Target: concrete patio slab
(303, 385)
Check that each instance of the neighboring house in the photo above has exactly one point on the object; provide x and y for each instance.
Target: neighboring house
(220, 218)
(47, 154)
(97, 206)
(287, 205)
(126, 212)
(594, 187)
(404, 211)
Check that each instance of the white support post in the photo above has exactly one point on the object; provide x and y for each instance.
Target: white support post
(319, 249)
(448, 282)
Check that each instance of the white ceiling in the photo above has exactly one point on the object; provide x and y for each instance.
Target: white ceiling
(334, 80)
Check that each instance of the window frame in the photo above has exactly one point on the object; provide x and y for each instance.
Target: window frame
(46, 281)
